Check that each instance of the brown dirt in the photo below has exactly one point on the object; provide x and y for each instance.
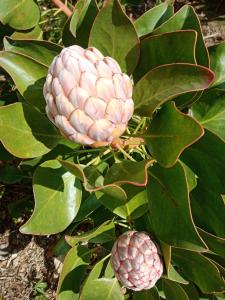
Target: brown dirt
(24, 260)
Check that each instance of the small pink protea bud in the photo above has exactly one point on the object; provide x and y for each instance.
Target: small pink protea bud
(136, 261)
(88, 97)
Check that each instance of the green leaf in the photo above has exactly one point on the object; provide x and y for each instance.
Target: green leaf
(169, 200)
(25, 132)
(173, 290)
(56, 201)
(208, 210)
(151, 294)
(74, 267)
(169, 133)
(104, 233)
(186, 18)
(166, 82)
(41, 51)
(217, 62)
(191, 177)
(209, 110)
(134, 207)
(28, 75)
(87, 207)
(214, 243)
(77, 28)
(85, 176)
(10, 174)
(186, 100)
(80, 24)
(150, 20)
(19, 14)
(34, 33)
(173, 275)
(114, 35)
(154, 50)
(191, 291)
(86, 292)
(104, 288)
(200, 270)
(206, 158)
(128, 172)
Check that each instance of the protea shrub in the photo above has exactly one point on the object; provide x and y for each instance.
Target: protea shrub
(120, 126)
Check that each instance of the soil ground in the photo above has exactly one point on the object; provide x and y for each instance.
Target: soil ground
(27, 265)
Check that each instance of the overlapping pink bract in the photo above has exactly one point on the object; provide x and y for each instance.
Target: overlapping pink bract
(136, 261)
(88, 97)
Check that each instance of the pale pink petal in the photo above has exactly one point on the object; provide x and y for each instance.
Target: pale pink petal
(80, 121)
(51, 68)
(95, 108)
(56, 87)
(87, 82)
(81, 139)
(86, 66)
(49, 114)
(105, 89)
(114, 66)
(73, 67)
(78, 97)
(132, 252)
(101, 130)
(76, 52)
(67, 81)
(103, 69)
(118, 86)
(63, 124)
(51, 104)
(114, 111)
(91, 56)
(58, 66)
(65, 56)
(127, 85)
(123, 252)
(96, 52)
(64, 107)
(48, 84)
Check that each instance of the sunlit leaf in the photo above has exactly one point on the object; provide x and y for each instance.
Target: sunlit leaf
(25, 132)
(19, 14)
(74, 267)
(56, 201)
(28, 75)
(166, 82)
(114, 35)
(169, 133)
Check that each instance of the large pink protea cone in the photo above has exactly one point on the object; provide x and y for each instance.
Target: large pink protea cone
(88, 97)
(136, 261)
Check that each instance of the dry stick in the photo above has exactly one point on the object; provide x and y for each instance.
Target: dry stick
(62, 7)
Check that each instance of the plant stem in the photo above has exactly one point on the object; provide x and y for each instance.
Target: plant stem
(63, 7)
(125, 153)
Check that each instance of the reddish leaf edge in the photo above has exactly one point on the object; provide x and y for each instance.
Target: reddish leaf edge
(78, 171)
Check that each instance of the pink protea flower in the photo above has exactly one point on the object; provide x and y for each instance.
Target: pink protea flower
(88, 97)
(136, 261)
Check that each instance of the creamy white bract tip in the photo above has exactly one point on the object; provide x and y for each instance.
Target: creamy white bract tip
(88, 97)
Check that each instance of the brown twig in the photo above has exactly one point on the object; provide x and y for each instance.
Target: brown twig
(62, 7)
